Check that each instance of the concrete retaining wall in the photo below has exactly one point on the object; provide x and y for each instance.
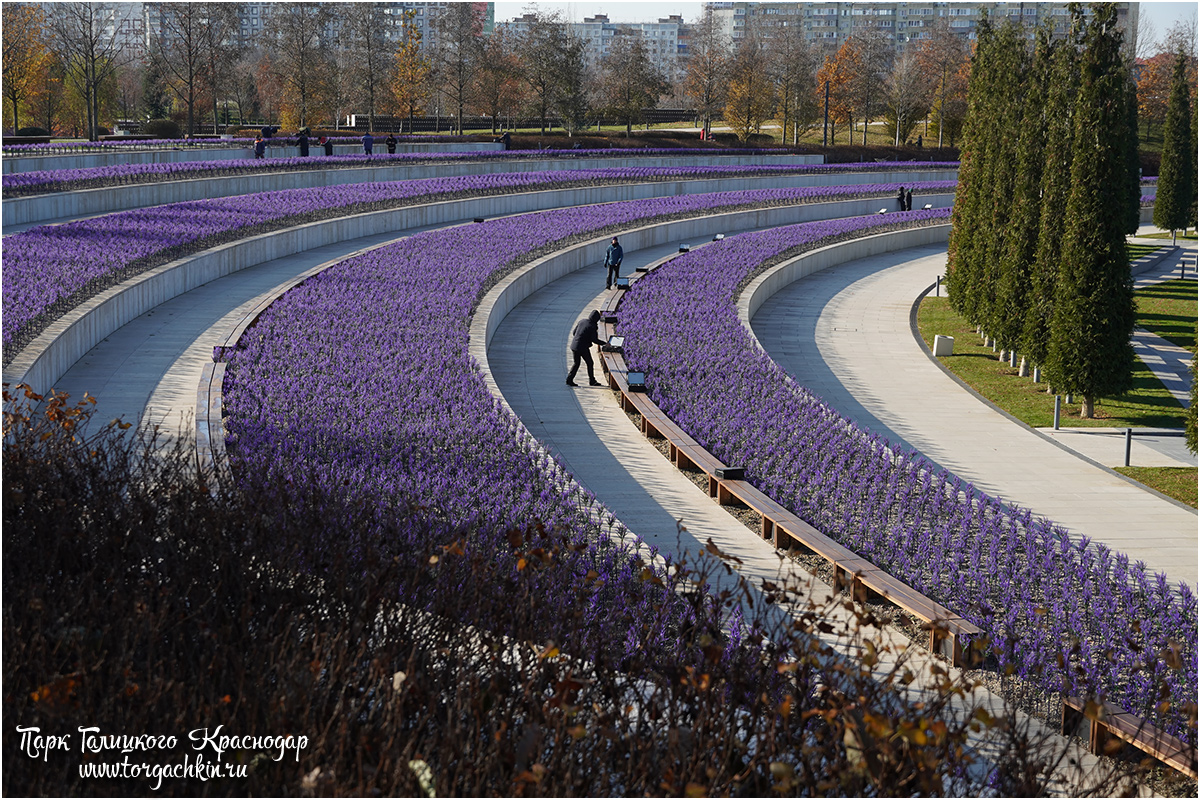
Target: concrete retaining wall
(89, 202)
(64, 342)
(13, 164)
(775, 279)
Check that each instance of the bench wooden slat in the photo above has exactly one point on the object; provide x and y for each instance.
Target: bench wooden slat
(1107, 720)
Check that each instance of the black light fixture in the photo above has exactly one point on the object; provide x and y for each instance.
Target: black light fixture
(622, 283)
(683, 248)
(479, 219)
(611, 319)
(927, 206)
(731, 473)
(637, 381)
(718, 237)
(616, 344)
(882, 211)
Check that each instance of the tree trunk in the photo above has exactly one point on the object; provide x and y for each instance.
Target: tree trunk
(1087, 407)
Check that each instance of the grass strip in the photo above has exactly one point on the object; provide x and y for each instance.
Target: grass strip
(1169, 310)
(1147, 405)
(1176, 482)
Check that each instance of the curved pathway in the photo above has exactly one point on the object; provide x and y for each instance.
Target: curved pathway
(844, 333)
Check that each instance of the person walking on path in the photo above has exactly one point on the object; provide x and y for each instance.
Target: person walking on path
(368, 143)
(900, 198)
(612, 262)
(390, 141)
(585, 334)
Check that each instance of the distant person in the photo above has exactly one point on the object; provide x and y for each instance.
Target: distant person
(390, 141)
(507, 140)
(919, 140)
(900, 198)
(612, 262)
(325, 142)
(908, 200)
(585, 334)
(302, 142)
(368, 143)
(260, 147)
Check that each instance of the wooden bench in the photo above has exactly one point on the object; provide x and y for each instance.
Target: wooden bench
(1099, 723)
(777, 524)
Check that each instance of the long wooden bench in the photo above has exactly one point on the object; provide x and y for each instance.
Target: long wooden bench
(1099, 723)
(777, 524)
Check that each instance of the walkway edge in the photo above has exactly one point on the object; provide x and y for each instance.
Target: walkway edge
(912, 323)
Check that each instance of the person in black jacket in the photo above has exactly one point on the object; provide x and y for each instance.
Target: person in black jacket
(390, 141)
(585, 334)
(302, 143)
(900, 199)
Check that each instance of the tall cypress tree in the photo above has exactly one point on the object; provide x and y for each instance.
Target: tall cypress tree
(1020, 246)
(1133, 180)
(1174, 205)
(966, 235)
(1055, 189)
(1004, 115)
(1090, 352)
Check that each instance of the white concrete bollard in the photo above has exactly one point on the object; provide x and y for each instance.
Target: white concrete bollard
(943, 346)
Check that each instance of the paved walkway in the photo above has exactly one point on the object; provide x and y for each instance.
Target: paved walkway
(844, 333)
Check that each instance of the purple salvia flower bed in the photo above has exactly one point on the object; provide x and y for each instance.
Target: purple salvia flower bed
(360, 381)
(49, 266)
(1067, 616)
(60, 180)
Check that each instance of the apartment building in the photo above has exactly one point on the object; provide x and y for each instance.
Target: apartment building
(665, 40)
(830, 23)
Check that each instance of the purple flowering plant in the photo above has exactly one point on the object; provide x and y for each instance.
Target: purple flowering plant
(1066, 615)
(50, 267)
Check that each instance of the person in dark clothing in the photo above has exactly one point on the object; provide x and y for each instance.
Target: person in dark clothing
(900, 198)
(260, 147)
(390, 141)
(908, 200)
(302, 143)
(507, 140)
(585, 334)
(612, 262)
(368, 143)
(325, 142)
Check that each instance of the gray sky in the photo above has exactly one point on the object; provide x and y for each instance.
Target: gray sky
(1161, 15)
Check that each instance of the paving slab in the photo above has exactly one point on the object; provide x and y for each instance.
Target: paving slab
(844, 333)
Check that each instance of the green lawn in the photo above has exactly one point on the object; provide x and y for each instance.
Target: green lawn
(1148, 405)
(1177, 482)
(1179, 235)
(1169, 309)
(1139, 250)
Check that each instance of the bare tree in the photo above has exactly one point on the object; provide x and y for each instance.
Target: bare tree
(242, 86)
(707, 67)
(458, 54)
(299, 55)
(905, 93)
(942, 57)
(85, 38)
(875, 54)
(542, 48)
(220, 50)
(794, 66)
(370, 55)
(571, 95)
(179, 55)
(750, 96)
(630, 81)
(498, 81)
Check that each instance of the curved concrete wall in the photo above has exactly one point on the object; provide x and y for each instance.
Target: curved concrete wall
(775, 279)
(172, 156)
(64, 342)
(89, 202)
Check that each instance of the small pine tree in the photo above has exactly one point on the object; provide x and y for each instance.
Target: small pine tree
(1090, 352)
(1174, 205)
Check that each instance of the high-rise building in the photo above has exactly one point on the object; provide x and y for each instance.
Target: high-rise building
(665, 39)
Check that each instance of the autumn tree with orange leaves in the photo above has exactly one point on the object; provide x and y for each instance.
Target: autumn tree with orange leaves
(25, 56)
